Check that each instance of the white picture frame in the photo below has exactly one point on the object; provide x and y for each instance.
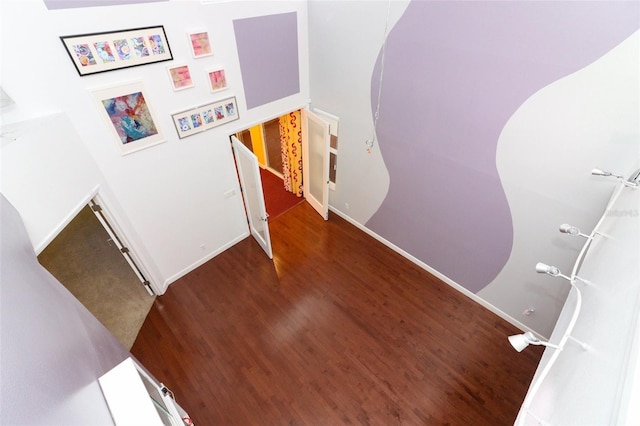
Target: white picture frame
(129, 116)
(180, 77)
(205, 117)
(200, 43)
(217, 79)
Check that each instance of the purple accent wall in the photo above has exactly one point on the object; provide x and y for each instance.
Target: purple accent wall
(268, 51)
(53, 350)
(454, 74)
(73, 4)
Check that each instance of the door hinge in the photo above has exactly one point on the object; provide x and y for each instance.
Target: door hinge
(124, 250)
(96, 208)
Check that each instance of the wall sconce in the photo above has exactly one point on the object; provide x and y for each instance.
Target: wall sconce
(543, 268)
(565, 228)
(632, 181)
(635, 177)
(599, 172)
(521, 341)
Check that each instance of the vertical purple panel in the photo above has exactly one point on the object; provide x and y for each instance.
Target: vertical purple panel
(72, 4)
(268, 52)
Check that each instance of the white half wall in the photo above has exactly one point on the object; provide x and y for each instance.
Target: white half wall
(586, 120)
(47, 174)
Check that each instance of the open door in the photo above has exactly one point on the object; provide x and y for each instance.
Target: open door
(249, 173)
(315, 161)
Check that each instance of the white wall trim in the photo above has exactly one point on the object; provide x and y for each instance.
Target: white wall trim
(66, 221)
(202, 261)
(433, 272)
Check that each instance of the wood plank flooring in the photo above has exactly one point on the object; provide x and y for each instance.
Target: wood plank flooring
(338, 329)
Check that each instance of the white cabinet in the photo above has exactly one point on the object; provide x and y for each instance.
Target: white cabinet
(135, 398)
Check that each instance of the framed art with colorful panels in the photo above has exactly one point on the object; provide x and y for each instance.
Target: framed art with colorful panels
(205, 117)
(129, 117)
(107, 51)
(189, 122)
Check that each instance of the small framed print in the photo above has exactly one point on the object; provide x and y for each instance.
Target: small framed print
(200, 44)
(205, 117)
(180, 77)
(108, 51)
(217, 80)
(127, 112)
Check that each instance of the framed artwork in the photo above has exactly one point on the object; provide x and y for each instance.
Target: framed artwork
(129, 117)
(217, 80)
(200, 45)
(180, 77)
(108, 51)
(205, 117)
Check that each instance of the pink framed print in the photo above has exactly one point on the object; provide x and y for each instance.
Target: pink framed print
(217, 79)
(180, 77)
(200, 44)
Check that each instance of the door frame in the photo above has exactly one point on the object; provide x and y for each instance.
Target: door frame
(319, 205)
(132, 258)
(110, 225)
(116, 229)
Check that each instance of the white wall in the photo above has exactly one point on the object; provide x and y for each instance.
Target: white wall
(49, 198)
(595, 383)
(346, 38)
(169, 199)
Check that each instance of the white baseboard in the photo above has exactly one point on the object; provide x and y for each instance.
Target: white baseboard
(432, 271)
(202, 261)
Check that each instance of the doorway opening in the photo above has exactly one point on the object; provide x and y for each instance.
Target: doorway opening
(89, 263)
(304, 143)
(265, 140)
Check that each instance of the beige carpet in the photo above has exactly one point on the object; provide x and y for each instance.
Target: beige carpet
(84, 259)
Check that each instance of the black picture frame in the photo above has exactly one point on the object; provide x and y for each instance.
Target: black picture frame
(95, 53)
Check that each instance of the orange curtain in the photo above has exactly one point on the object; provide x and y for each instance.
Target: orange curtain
(291, 148)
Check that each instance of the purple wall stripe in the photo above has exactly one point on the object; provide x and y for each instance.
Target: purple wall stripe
(454, 74)
(72, 4)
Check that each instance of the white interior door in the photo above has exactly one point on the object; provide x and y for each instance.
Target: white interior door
(315, 161)
(249, 173)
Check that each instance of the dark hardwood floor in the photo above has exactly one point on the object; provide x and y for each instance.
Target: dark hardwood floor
(338, 329)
